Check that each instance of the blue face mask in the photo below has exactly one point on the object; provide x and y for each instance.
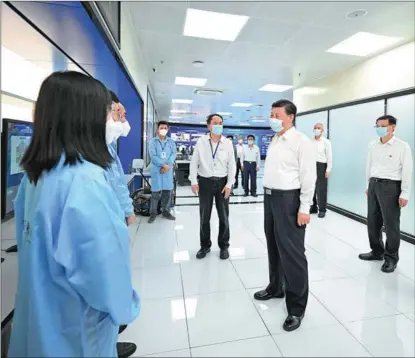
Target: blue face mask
(250, 142)
(217, 129)
(276, 125)
(382, 131)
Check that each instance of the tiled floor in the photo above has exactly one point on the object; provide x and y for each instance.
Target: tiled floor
(204, 308)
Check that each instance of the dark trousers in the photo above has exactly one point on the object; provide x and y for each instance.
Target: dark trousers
(286, 252)
(383, 209)
(320, 193)
(239, 170)
(209, 189)
(165, 197)
(250, 173)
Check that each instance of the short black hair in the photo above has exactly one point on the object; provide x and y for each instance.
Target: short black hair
(114, 97)
(230, 137)
(210, 117)
(70, 119)
(290, 108)
(162, 123)
(251, 136)
(391, 119)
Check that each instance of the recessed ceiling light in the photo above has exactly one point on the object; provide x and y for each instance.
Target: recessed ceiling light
(213, 25)
(238, 104)
(364, 44)
(198, 64)
(311, 90)
(190, 81)
(179, 111)
(182, 101)
(356, 14)
(225, 113)
(274, 88)
(175, 117)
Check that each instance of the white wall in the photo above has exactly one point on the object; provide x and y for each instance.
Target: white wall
(388, 72)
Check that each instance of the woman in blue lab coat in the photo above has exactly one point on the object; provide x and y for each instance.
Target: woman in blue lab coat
(74, 284)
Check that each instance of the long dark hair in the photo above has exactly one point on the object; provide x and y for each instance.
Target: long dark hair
(70, 118)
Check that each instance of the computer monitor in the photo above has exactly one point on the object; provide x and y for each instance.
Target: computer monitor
(16, 136)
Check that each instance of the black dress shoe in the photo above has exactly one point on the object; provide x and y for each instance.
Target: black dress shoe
(255, 195)
(224, 254)
(292, 323)
(389, 266)
(313, 210)
(265, 296)
(126, 350)
(122, 328)
(370, 256)
(202, 253)
(321, 214)
(246, 194)
(152, 219)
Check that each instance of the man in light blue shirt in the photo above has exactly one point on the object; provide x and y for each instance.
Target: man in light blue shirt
(163, 155)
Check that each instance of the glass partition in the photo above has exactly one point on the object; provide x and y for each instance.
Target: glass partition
(305, 123)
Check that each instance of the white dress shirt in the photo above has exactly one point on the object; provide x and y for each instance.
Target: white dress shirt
(251, 154)
(203, 164)
(392, 160)
(324, 152)
(291, 164)
(239, 150)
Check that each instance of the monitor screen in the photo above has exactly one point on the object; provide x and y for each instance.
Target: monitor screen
(16, 138)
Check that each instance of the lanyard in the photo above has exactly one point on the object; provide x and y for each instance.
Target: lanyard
(211, 149)
(163, 146)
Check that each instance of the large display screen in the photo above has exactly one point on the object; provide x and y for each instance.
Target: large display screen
(186, 136)
(16, 138)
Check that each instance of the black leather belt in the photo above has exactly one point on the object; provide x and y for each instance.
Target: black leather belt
(213, 178)
(245, 161)
(381, 180)
(279, 191)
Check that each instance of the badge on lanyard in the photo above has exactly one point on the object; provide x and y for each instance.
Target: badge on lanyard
(163, 155)
(214, 152)
(163, 151)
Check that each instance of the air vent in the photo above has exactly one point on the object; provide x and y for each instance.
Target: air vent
(207, 92)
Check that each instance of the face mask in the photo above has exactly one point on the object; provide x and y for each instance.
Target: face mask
(110, 131)
(125, 128)
(276, 125)
(217, 129)
(240, 141)
(317, 132)
(250, 142)
(163, 132)
(382, 131)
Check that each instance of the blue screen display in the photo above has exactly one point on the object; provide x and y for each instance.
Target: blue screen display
(188, 136)
(19, 136)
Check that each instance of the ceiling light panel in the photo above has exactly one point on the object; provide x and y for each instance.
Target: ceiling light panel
(190, 81)
(274, 88)
(364, 44)
(213, 25)
(182, 101)
(240, 104)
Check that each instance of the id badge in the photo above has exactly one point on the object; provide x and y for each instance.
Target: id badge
(163, 155)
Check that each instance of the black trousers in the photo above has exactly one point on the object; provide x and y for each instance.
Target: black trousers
(165, 196)
(250, 173)
(383, 209)
(320, 193)
(238, 170)
(209, 189)
(286, 252)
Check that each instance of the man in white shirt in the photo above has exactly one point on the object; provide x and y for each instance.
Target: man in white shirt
(251, 159)
(324, 165)
(212, 174)
(239, 150)
(289, 181)
(389, 174)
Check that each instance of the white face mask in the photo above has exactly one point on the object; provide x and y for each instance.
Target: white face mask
(240, 141)
(110, 131)
(163, 132)
(317, 132)
(125, 128)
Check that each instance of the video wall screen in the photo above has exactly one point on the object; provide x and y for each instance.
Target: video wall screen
(16, 138)
(186, 137)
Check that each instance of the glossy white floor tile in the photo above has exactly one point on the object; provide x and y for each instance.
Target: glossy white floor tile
(205, 308)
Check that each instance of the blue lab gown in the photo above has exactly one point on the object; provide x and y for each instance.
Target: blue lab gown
(115, 176)
(74, 284)
(157, 147)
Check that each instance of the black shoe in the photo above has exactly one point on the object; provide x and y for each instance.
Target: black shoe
(246, 194)
(321, 214)
(313, 210)
(168, 216)
(126, 350)
(224, 254)
(255, 195)
(122, 328)
(265, 296)
(202, 253)
(292, 323)
(152, 219)
(389, 266)
(370, 256)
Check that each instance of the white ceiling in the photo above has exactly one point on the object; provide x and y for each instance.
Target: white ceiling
(282, 43)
